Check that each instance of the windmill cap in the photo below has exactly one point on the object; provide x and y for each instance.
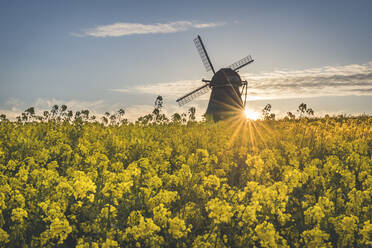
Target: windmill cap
(226, 76)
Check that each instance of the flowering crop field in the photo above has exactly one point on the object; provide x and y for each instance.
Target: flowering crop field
(284, 183)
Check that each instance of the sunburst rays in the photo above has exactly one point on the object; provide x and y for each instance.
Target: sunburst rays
(245, 132)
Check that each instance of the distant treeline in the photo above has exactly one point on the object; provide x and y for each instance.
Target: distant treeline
(63, 114)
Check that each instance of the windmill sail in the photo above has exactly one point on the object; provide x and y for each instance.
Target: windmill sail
(203, 54)
(244, 91)
(241, 63)
(192, 95)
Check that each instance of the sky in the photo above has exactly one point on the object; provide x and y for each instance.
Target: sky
(107, 55)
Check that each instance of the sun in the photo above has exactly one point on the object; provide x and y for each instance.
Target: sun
(250, 114)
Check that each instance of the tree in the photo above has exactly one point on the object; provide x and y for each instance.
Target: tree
(85, 114)
(2, 117)
(113, 119)
(266, 112)
(159, 102)
(54, 109)
(176, 117)
(70, 114)
(302, 109)
(310, 111)
(192, 112)
(120, 115)
(30, 111)
(291, 116)
(63, 108)
(46, 115)
(29, 114)
(157, 110)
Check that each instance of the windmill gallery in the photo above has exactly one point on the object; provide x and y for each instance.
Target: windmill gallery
(226, 98)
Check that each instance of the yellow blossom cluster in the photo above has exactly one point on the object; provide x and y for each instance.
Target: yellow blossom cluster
(285, 183)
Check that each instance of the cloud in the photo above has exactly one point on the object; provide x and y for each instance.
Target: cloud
(353, 79)
(170, 89)
(127, 28)
(369, 90)
(324, 81)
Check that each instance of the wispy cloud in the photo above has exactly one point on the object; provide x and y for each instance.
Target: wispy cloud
(127, 28)
(325, 81)
(353, 79)
(169, 89)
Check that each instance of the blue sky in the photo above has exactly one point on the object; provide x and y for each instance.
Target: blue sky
(104, 55)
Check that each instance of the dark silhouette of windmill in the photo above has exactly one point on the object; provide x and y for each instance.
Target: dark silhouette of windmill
(226, 98)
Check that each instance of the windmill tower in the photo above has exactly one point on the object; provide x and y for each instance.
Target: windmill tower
(226, 98)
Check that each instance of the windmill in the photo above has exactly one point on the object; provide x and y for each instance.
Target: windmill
(226, 98)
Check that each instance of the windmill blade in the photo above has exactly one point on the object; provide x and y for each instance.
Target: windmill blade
(244, 92)
(203, 54)
(241, 63)
(192, 95)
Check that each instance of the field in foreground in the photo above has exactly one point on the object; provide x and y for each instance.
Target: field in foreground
(264, 183)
